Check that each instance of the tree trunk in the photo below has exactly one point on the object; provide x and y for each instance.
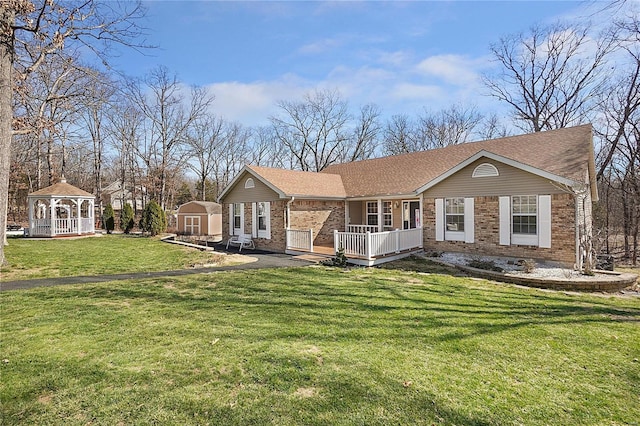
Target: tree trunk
(6, 118)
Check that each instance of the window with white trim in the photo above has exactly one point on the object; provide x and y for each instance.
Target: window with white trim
(524, 219)
(524, 214)
(237, 217)
(263, 216)
(387, 216)
(249, 183)
(454, 214)
(372, 213)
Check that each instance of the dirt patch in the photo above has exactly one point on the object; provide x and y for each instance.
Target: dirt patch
(305, 392)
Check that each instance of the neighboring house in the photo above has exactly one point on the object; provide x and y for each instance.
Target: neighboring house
(525, 196)
(200, 218)
(114, 193)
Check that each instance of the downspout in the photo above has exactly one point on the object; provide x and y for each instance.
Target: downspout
(288, 212)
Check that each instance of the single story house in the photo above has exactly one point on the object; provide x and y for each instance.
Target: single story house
(200, 218)
(525, 196)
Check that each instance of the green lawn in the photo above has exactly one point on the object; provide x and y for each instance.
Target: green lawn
(108, 254)
(317, 346)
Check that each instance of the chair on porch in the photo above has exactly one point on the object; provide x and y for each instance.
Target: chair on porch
(242, 240)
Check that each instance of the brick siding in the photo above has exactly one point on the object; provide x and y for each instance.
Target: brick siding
(487, 232)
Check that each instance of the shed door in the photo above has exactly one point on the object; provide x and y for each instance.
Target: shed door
(192, 225)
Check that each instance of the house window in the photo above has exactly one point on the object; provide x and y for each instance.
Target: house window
(454, 214)
(262, 225)
(455, 219)
(387, 216)
(372, 213)
(249, 183)
(485, 170)
(524, 219)
(237, 216)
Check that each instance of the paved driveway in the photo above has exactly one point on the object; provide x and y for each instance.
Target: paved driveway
(265, 261)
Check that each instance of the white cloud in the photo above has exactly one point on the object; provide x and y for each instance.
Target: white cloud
(453, 69)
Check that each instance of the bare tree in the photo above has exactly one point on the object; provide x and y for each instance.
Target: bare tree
(550, 76)
(205, 143)
(314, 130)
(30, 31)
(449, 126)
(366, 134)
(399, 135)
(170, 114)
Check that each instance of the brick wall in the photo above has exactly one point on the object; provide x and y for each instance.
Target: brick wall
(322, 216)
(487, 231)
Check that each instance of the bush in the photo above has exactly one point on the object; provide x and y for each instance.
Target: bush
(153, 220)
(126, 218)
(108, 218)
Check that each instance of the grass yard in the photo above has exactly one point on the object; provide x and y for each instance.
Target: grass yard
(317, 346)
(108, 254)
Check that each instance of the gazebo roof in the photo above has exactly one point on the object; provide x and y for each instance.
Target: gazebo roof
(61, 189)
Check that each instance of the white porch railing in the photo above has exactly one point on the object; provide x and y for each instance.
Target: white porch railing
(42, 227)
(370, 245)
(300, 239)
(361, 229)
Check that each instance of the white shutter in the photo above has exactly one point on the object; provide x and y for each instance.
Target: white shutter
(242, 231)
(544, 221)
(254, 220)
(505, 220)
(267, 207)
(230, 219)
(469, 230)
(439, 219)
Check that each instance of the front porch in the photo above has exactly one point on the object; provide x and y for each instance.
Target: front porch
(361, 244)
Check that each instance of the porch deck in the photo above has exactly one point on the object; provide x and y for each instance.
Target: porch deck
(360, 248)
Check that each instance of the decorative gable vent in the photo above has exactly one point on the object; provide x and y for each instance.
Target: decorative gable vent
(485, 170)
(249, 183)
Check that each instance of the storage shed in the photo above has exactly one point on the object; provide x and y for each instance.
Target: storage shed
(200, 218)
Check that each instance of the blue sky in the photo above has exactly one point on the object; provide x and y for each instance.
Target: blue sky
(402, 56)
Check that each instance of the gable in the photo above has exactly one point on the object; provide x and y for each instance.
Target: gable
(510, 181)
(238, 193)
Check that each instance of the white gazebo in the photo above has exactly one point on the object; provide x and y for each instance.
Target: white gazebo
(61, 210)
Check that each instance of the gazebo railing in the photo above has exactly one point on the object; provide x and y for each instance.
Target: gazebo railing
(40, 227)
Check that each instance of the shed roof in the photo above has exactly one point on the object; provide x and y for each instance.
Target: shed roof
(62, 189)
(208, 207)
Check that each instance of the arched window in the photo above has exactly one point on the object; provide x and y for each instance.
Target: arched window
(249, 183)
(485, 170)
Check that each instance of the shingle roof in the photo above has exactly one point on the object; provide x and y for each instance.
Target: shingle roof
(565, 153)
(63, 189)
(302, 184)
(209, 206)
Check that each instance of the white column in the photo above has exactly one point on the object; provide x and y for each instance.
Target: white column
(379, 215)
(31, 218)
(52, 214)
(79, 218)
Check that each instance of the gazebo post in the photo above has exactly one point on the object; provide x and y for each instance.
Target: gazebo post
(52, 217)
(78, 216)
